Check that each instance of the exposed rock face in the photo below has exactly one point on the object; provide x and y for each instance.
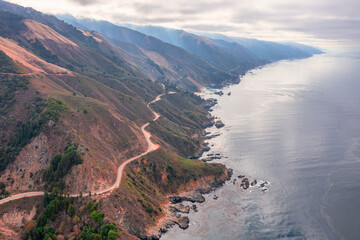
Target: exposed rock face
(174, 218)
(219, 124)
(25, 173)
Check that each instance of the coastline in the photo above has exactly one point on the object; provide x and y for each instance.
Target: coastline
(202, 227)
(180, 204)
(183, 203)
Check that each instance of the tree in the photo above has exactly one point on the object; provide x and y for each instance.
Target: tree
(112, 235)
(97, 216)
(106, 229)
(71, 210)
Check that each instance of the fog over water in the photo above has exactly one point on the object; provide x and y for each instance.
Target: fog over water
(295, 124)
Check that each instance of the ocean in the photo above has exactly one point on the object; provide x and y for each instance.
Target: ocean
(296, 125)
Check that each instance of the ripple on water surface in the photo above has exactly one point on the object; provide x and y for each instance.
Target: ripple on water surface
(296, 125)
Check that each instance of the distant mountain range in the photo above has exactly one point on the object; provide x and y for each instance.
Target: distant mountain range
(233, 55)
(240, 48)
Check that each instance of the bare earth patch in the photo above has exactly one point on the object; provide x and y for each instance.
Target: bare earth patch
(41, 32)
(28, 59)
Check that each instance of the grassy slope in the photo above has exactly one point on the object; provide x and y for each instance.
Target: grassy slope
(181, 123)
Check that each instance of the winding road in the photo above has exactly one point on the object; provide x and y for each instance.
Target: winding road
(151, 147)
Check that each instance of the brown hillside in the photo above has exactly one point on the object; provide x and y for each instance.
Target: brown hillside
(90, 96)
(32, 62)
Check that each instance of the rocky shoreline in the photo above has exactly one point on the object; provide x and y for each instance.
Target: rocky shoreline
(176, 206)
(186, 202)
(208, 104)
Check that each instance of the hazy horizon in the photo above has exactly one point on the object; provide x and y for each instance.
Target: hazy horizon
(322, 23)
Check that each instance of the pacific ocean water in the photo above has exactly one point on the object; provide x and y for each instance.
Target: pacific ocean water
(296, 125)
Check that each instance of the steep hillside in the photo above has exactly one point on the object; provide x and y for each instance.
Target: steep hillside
(270, 51)
(180, 67)
(228, 56)
(182, 123)
(184, 63)
(236, 54)
(72, 110)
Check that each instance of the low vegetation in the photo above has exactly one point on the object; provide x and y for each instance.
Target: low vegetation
(3, 192)
(154, 65)
(9, 86)
(171, 172)
(182, 120)
(39, 49)
(6, 64)
(10, 24)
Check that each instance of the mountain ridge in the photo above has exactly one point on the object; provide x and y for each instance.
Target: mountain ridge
(170, 35)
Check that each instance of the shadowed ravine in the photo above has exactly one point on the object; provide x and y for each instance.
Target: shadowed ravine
(151, 147)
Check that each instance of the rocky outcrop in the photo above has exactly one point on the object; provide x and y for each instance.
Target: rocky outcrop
(211, 136)
(172, 218)
(220, 93)
(209, 103)
(212, 156)
(219, 124)
(193, 197)
(253, 183)
(183, 222)
(172, 210)
(180, 208)
(194, 208)
(245, 183)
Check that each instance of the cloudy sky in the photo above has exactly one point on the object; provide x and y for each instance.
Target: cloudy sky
(320, 22)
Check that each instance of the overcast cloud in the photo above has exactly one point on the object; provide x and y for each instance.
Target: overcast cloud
(322, 22)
